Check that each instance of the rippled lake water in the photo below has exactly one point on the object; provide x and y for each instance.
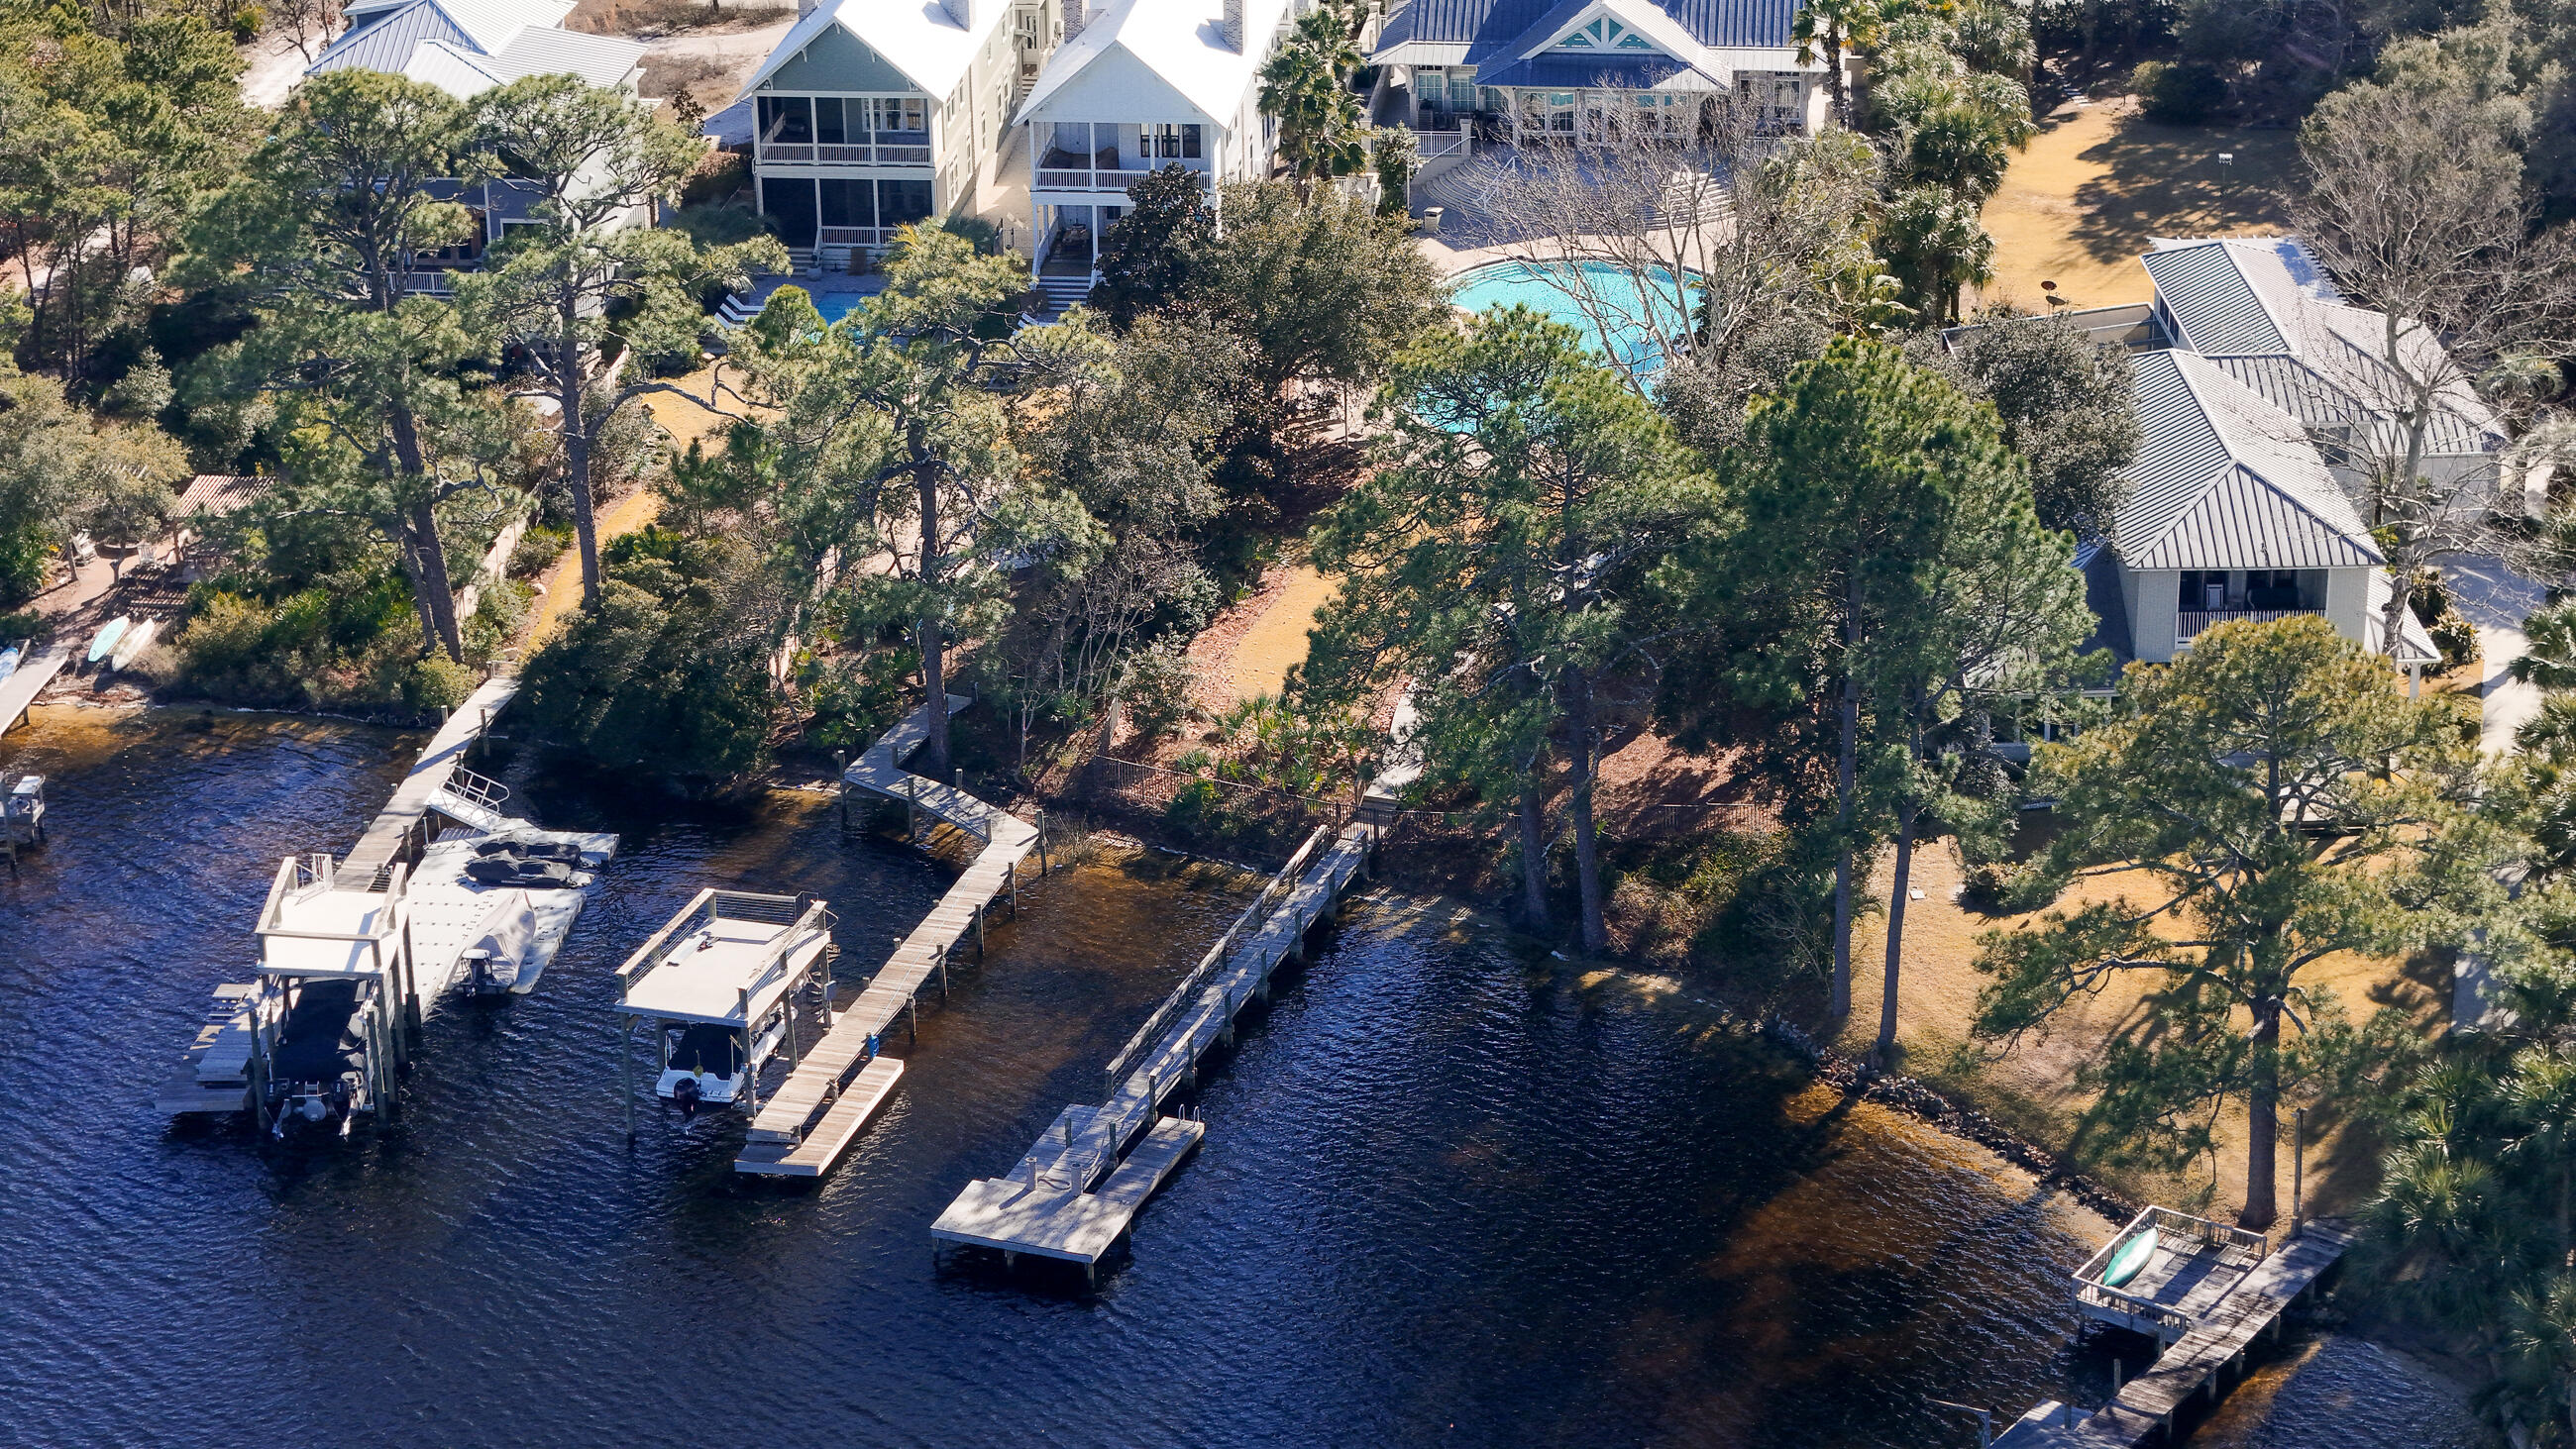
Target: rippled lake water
(1448, 1195)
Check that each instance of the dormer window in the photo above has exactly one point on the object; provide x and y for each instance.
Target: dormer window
(1604, 33)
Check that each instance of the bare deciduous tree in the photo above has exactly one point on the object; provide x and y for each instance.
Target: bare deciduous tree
(2416, 205)
(1710, 232)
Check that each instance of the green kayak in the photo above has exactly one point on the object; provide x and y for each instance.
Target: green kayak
(2133, 1256)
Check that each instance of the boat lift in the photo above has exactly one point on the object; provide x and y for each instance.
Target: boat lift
(334, 998)
(723, 975)
(22, 815)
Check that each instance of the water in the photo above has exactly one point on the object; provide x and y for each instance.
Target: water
(1550, 288)
(2345, 1392)
(1446, 1194)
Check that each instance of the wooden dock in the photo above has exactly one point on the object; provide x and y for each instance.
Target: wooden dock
(1080, 1185)
(2198, 1366)
(406, 815)
(813, 1116)
(28, 680)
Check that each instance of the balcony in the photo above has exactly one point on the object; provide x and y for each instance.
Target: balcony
(890, 148)
(1108, 171)
(2189, 622)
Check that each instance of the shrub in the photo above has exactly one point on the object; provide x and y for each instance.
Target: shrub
(29, 625)
(538, 548)
(718, 174)
(22, 562)
(664, 676)
(2179, 93)
(986, 237)
(437, 684)
(247, 22)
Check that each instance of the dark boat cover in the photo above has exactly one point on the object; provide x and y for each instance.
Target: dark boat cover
(704, 1048)
(317, 1043)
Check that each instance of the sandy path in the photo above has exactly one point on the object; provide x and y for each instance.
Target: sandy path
(1248, 648)
(560, 584)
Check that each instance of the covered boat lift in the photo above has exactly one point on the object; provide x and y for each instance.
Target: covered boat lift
(732, 960)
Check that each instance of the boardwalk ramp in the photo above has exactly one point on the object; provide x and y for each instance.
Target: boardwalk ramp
(841, 1081)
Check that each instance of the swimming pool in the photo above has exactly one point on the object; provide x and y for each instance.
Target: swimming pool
(1551, 287)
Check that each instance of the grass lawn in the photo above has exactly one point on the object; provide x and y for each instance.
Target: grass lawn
(2081, 203)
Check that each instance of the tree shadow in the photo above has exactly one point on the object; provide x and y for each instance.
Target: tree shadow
(2167, 181)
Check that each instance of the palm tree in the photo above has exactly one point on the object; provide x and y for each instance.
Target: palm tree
(2544, 1335)
(2542, 1091)
(1934, 244)
(1307, 87)
(1827, 28)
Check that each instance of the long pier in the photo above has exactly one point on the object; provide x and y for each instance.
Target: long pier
(1080, 1185)
(839, 1082)
(389, 837)
(2146, 1409)
(28, 680)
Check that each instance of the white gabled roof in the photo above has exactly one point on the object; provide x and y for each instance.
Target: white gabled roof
(917, 37)
(1179, 42)
(2225, 480)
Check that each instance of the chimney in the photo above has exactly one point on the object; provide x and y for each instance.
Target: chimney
(961, 11)
(1231, 27)
(804, 8)
(1073, 18)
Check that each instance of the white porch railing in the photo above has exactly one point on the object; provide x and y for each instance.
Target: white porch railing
(1101, 178)
(1432, 145)
(2190, 622)
(802, 153)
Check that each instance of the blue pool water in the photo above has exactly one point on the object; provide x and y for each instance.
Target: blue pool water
(1551, 287)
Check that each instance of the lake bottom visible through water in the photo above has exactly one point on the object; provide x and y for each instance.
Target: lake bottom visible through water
(1447, 1193)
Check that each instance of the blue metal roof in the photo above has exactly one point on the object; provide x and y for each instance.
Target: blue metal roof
(1573, 72)
(1486, 26)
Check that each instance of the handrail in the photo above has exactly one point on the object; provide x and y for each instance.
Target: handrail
(1215, 956)
(655, 942)
(475, 789)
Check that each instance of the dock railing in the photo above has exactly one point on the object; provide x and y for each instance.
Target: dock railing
(1181, 995)
(2223, 1241)
(803, 916)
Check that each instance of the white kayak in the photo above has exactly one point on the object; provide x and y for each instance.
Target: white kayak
(108, 634)
(136, 640)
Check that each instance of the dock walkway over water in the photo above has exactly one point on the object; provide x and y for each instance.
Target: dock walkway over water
(1080, 1185)
(28, 680)
(391, 836)
(2198, 1363)
(839, 1082)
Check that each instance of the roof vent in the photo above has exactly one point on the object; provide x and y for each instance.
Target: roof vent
(1231, 26)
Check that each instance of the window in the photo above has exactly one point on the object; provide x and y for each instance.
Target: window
(1171, 143)
(1604, 33)
(902, 113)
(1462, 89)
(786, 120)
(2272, 589)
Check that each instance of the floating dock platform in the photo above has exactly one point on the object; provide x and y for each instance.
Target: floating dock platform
(841, 1081)
(1080, 1185)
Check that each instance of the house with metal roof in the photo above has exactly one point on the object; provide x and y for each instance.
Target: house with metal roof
(871, 114)
(2265, 313)
(1140, 85)
(466, 47)
(2229, 513)
(1587, 69)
